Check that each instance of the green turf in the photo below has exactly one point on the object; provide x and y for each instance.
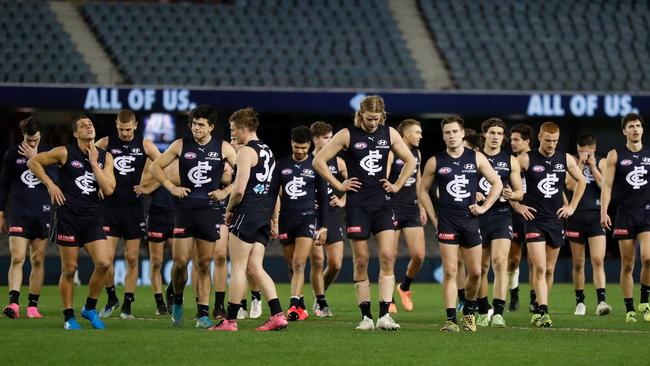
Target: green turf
(151, 340)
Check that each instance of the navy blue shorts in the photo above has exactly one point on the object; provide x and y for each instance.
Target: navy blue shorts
(495, 226)
(30, 227)
(582, 225)
(406, 216)
(549, 230)
(160, 226)
(251, 226)
(460, 230)
(630, 222)
(201, 223)
(294, 225)
(74, 230)
(125, 221)
(518, 228)
(365, 220)
(334, 224)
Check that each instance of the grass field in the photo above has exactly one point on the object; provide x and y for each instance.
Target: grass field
(151, 340)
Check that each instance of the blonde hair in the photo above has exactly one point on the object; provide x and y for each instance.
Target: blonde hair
(371, 104)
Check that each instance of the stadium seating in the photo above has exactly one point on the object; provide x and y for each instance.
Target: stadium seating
(280, 43)
(35, 48)
(543, 45)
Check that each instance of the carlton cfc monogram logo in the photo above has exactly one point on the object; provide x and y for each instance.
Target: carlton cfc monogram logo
(29, 179)
(369, 163)
(484, 185)
(123, 164)
(197, 175)
(635, 177)
(85, 183)
(456, 188)
(586, 171)
(294, 188)
(547, 185)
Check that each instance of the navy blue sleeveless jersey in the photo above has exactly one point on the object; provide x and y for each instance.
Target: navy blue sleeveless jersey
(161, 201)
(302, 188)
(200, 168)
(78, 183)
(366, 159)
(26, 194)
(408, 195)
(591, 198)
(261, 189)
(545, 182)
(631, 178)
(129, 158)
(501, 164)
(457, 182)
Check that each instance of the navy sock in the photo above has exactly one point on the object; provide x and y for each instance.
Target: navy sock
(499, 306)
(542, 309)
(322, 303)
(482, 303)
(129, 297)
(580, 296)
(365, 309)
(533, 297)
(383, 308)
(244, 304)
(256, 295)
(202, 310)
(112, 297)
(600, 294)
(68, 314)
(645, 292)
(178, 299)
(406, 283)
(14, 297)
(302, 302)
(159, 299)
(219, 298)
(629, 304)
(274, 306)
(451, 315)
(294, 301)
(468, 309)
(33, 300)
(91, 304)
(232, 311)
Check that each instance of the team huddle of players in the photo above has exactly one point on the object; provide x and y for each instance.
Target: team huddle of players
(212, 198)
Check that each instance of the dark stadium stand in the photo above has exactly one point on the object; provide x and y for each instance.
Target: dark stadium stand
(543, 45)
(283, 43)
(35, 48)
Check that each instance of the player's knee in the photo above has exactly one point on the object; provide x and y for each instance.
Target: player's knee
(550, 270)
(68, 271)
(539, 270)
(597, 262)
(579, 266)
(36, 261)
(334, 265)
(102, 266)
(361, 261)
(627, 266)
(131, 260)
(450, 273)
(418, 259)
(474, 274)
(203, 266)
(387, 258)
(156, 264)
(17, 260)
